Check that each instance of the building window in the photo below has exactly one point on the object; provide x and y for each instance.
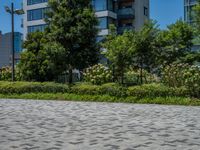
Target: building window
(36, 14)
(32, 2)
(145, 11)
(101, 5)
(36, 28)
(100, 38)
(18, 42)
(103, 23)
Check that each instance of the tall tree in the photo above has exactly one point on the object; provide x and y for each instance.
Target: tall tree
(136, 48)
(177, 42)
(144, 47)
(118, 52)
(35, 64)
(191, 58)
(73, 26)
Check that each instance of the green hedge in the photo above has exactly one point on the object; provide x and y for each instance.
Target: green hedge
(146, 90)
(111, 89)
(156, 90)
(105, 98)
(32, 87)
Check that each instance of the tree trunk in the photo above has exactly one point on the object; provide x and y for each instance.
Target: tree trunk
(70, 78)
(113, 74)
(122, 77)
(141, 71)
(141, 76)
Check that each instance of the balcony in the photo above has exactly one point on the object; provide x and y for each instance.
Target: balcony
(121, 29)
(126, 13)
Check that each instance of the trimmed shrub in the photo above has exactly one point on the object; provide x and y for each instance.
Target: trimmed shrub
(111, 89)
(85, 88)
(146, 90)
(156, 90)
(32, 87)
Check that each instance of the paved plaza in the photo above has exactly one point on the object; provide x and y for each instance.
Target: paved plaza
(61, 125)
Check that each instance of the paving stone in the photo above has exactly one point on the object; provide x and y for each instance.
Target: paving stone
(61, 125)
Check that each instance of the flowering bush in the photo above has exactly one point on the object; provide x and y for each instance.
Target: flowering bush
(5, 73)
(177, 75)
(97, 74)
(192, 80)
(172, 75)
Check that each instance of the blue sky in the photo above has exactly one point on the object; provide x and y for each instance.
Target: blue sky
(164, 11)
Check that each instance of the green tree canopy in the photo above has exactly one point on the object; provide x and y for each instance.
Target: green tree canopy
(176, 43)
(73, 26)
(133, 48)
(144, 47)
(118, 52)
(35, 64)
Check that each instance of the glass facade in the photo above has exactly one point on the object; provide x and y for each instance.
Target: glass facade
(121, 13)
(189, 12)
(18, 42)
(36, 14)
(32, 2)
(102, 5)
(190, 1)
(37, 28)
(103, 23)
(99, 38)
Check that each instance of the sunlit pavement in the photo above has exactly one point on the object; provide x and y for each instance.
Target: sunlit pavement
(61, 125)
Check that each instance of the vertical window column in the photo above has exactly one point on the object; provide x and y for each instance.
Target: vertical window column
(32, 2)
(36, 14)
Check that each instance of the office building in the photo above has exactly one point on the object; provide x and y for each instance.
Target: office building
(6, 48)
(125, 14)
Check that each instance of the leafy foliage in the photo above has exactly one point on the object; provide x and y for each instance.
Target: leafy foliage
(178, 75)
(192, 58)
(31, 87)
(144, 46)
(111, 89)
(105, 98)
(5, 73)
(35, 64)
(73, 26)
(118, 52)
(156, 90)
(133, 76)
(176, 42)
(139, 49)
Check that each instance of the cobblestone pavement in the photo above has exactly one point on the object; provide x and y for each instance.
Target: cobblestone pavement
(57, 125)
